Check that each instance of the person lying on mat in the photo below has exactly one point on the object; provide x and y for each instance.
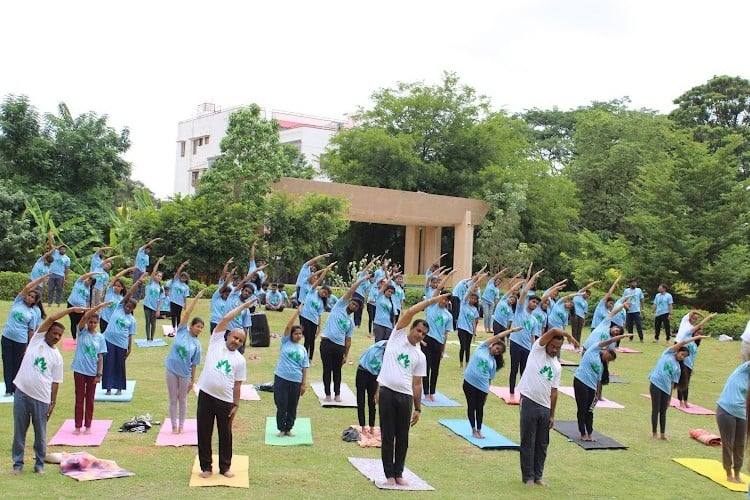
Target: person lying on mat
(219, 396)
(731, 418)
(290, 375)
(480, 370)
(183, 358)
(87, 365)
(663, 377)
(587, 382)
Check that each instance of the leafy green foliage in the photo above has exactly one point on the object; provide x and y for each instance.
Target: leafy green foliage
(17, 239)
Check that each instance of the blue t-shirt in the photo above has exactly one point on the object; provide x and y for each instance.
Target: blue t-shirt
(732, 397)
(101, 281)
(557, 317)
(240, 320)
(619, 318)
(120, 326)
(364, 288)
(304, 274)
(110, 296)
(313, 307)
(460, 289)
(151, 296)
(274, 298)
(531, 328)
(88, 348)
(590, 369)
(600, 313)
(141, 260)
(692, 348)
(96, 262)
(491, 293)
(252, 266)
(384, 310)
(339, 325)
(21, 319)
(440, 321)
(481, 368)
(218, 306)
(179, 292)
(635, 300)
(80, 294)
(379, 274)
(503, 313)
(580, 305)
(292, 359)
(184, 353)
(598, 334)
(666, 371)
(467, 314)
(40, 269)
(662, 301)
(59, 263)
(164, 302)
(540, 315)
(398, 299)
(372, 359)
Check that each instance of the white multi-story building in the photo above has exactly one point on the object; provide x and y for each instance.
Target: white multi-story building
(198, 140)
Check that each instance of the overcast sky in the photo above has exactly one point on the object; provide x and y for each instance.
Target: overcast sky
(147, 65)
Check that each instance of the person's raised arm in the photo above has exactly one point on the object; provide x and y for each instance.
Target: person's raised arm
(556, 332)
(156, 267)
(371, 264)
(683, 343)
(51, 241)
(529, 285)
(58, 315)
(48, 253)
(252, 250)
(322, 275)
(224, 323)
(179, 269)
(226, 268)
(437, 260)
(619, 307)
(151, 242)
(32, 285)
(317, 258)
(444, 279)
(89, 275)
(616, 338)
(500, 336)
(131, 291)
(588, 286)
(555, 288)
(703, 322)
(612, 289)
(350, 293)
(121, 274)
(406, 316)
(292, 321)
(90, 312)
(189, 308)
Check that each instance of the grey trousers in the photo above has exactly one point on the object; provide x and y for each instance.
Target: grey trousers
(534, 439)
(29, 410)
(732, 431)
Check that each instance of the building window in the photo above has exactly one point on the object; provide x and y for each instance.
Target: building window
(198, 142)
(205, 140)
(182, 149)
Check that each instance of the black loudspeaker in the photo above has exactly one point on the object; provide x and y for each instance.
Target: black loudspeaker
(260, 333)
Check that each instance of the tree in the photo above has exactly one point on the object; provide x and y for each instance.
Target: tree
(716, 112)
(252, 159)
(17, 240)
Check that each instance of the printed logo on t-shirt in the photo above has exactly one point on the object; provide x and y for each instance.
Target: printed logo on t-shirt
(547, 372)
(484, 366)
(440, 320)
(19, 317)
(375, 364)
(224, 366)
(668, 368)
(403, 360)
(181, 351)
(597, 368)
(344, 323)
(295, 355)
(122, 323)
(743, 391)
(90, 350)
(40, 364)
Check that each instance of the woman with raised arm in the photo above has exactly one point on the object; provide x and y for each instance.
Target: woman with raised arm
(183, 358)
(605, 305)
(480, 370)
(141, 263)
(731, 419)
(314, 305)
(522, 340)
(152, 294)
(689, 364)
(179, 293)
(87, 366)
(440, 321)
(367, 384)
(114, 295)
(385, 309)
(80, 296)
(490, 296)
(502, 317)
(20, 326)
(587, 382)
(219, 395)
(119, 336)
(468, 316)
(663, 377)
(290, 376)
(307, 269)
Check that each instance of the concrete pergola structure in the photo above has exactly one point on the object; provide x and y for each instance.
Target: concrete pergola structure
(419, 212)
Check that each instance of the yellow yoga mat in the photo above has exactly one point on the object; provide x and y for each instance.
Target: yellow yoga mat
(713, 470)
(241, 479)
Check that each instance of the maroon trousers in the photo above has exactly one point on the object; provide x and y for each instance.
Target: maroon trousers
(84, 409)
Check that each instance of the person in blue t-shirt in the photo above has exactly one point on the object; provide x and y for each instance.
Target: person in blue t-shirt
(587, 382)
(87, 366)
(307, 270)
(662, 312)
(113, 294)
(633, 316)
(80, 296)
(41, 268)
(59, 270)
(490, 296)
(480, 370)
(141, 265)
(385, 310)
(522, 340)
(151, 296)
(468, 318)
(290, 376)
(580, 308)
(731, 419)
(336, 339)
(663, 377)
(314, 303)
(440, 321)
(178, 294)
(274, 299)
(683, 385)
(181, 362)
(367, 384)
(363, 289)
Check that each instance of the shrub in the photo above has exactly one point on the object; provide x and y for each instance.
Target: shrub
(732, 324)
(413, 295)
(11, 283)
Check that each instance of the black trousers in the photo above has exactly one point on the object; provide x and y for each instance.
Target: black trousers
(209, 410)
(464, 338)
(518, 357)
(585, 402)
(455, 310)
(176, 311)
(395, 417)
(475, 400)
(370, 316)
(659, 405)
(331, 354)
(662, 319)
(682, 394)
(367, 384)
(75, 318)
(358, 312)
(309, 329)
(286, 396)
(634, 319)
(497, 327)
(433, 352)
(12, 357)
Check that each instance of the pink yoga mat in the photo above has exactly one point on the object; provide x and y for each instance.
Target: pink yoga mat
(188, 437)
(568, 347)
(65, 436)
(247, 392)
(604, 403)
(693, 409)
(504, 394)
(68, 344)
(627, 350)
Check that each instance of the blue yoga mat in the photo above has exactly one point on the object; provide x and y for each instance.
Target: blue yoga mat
(492, 440)
(153, 343)
(440, 400)
(127, 393)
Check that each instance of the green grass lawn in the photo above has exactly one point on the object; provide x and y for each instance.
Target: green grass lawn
(451, 465)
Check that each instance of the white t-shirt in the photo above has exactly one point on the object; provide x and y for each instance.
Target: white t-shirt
(746, 334)
(685, 330)
(541, 375)
(221, 369)
(401, 362)
(41, 366)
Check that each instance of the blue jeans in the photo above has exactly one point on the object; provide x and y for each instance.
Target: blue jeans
(487, 309)
(534, 439)
(25, 409)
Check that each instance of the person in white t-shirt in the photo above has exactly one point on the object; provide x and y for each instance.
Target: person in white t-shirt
(400, 380)
(745, 345)
(538, 388)
(219, 397)
(36, 384)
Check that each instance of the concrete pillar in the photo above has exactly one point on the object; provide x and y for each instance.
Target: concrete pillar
(411, 250)
(431, 236)
(463, 249)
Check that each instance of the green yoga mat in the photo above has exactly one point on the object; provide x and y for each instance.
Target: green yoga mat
(302, 433)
